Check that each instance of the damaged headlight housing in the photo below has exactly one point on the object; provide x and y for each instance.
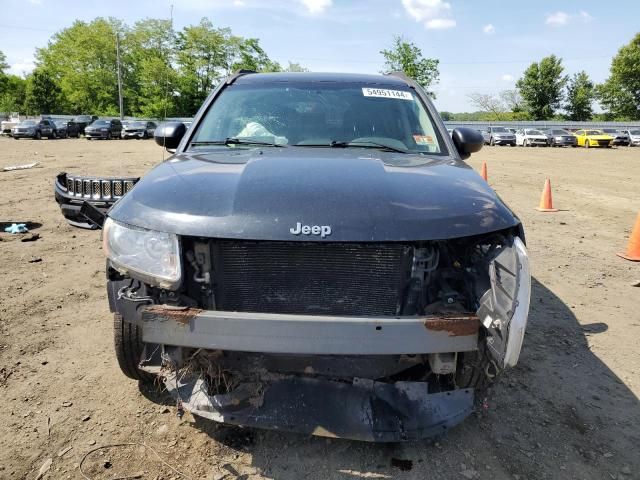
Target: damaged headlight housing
(520, 316)
(148, 255)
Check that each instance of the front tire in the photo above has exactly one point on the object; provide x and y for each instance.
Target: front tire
(129, 347)
(491, 142)
(37, 136)
(587, 144)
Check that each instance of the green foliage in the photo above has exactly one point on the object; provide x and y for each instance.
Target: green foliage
(580, 96)
(542, 86)
(406, 57)
(164, 73)
(295, 67)
(42, 93)
(3, 63)
(620, 93)
(12, 93)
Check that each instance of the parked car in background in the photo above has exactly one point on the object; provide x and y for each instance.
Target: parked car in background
(559, 137)
(67, 128)
(103, 129)
(593, 138)
(84, 121)
(498, 136)
(35, 129)
(138, 129)
(619, 138)
(634, 137)
(7, 125)
(512, 130)
(529, 137)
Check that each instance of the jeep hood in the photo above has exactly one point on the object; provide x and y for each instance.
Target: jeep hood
(363, 195)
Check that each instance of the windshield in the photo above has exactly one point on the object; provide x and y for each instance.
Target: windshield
(27, 123)
(635, 132)
(500, 130)
(101, 123)
(594, 132)
(317, 114)
(561, 132)
(533, 132)
(609, 130)
(61, 124)
(82, 118)
(136, 124)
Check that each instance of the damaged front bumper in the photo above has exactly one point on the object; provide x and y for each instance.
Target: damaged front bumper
(71, 191)
(362, 410)
(313, 402)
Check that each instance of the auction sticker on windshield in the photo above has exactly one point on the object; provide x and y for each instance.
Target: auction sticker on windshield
(383, 93)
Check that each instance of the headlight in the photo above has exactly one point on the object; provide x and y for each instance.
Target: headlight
(151, 256)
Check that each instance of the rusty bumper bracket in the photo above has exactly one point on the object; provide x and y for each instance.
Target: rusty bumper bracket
(309, 334)
(363, 410)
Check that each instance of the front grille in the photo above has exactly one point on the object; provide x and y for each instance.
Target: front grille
(310, 278)
(96, 188)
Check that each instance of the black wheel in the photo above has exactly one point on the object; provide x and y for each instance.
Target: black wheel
(145, 135)
(128, 344)
(587, 144)
(16, 138)
(491, 142)
(37, 136)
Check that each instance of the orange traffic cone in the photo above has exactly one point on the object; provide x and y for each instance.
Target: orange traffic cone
(546, 201)
(483, 171)
(633, 248)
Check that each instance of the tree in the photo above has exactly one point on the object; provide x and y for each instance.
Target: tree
(406, 57)
(295, 67)
(541, 87)
(620, 93)
(3, 63)
(42, 93)
(201, 58)
(580, 96)
(512, 100)
(488, 103)
(81, 60)
(150, 77)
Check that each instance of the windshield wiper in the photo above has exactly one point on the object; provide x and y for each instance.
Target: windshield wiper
(364, 144)
(236, 141)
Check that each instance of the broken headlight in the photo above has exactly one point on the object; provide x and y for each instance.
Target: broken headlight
(150, 256)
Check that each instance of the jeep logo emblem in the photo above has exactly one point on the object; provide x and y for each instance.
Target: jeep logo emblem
(322, 230)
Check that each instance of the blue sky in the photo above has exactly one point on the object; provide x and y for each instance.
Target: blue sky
(483, 45)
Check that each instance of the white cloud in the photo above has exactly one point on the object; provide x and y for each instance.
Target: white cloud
(22, 67)
(440, 23)
(560, 19)
(35, 2)
(585, 17)
(489, 29)
(507, 78)
(435, 14)
(239, 3)
(316, 6)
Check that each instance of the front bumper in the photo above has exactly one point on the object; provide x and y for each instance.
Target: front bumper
(363, 410)
(132, 134)
(71, 191)
(504, 141)
(359, 409)
(97, 134)
(22, 134)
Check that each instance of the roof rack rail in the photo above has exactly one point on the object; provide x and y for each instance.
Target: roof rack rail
(238, 73)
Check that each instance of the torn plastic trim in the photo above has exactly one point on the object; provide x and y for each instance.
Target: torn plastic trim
(504, 308)
(309, 334)
(363, 410)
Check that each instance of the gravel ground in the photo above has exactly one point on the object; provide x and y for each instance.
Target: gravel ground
(569, 410)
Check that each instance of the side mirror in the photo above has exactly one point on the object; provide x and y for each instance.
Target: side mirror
(467, 141)
(169, 134)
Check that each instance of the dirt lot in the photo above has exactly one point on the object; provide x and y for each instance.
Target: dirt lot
(570, 409)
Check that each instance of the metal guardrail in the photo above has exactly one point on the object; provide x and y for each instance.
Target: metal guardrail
(480, 125)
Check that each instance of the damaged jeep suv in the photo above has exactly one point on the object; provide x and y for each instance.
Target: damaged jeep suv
(317, 257)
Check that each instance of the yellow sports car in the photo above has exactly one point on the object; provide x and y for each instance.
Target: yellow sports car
(593, 138)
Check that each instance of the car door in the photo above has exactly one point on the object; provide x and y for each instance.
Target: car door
(580, 137)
